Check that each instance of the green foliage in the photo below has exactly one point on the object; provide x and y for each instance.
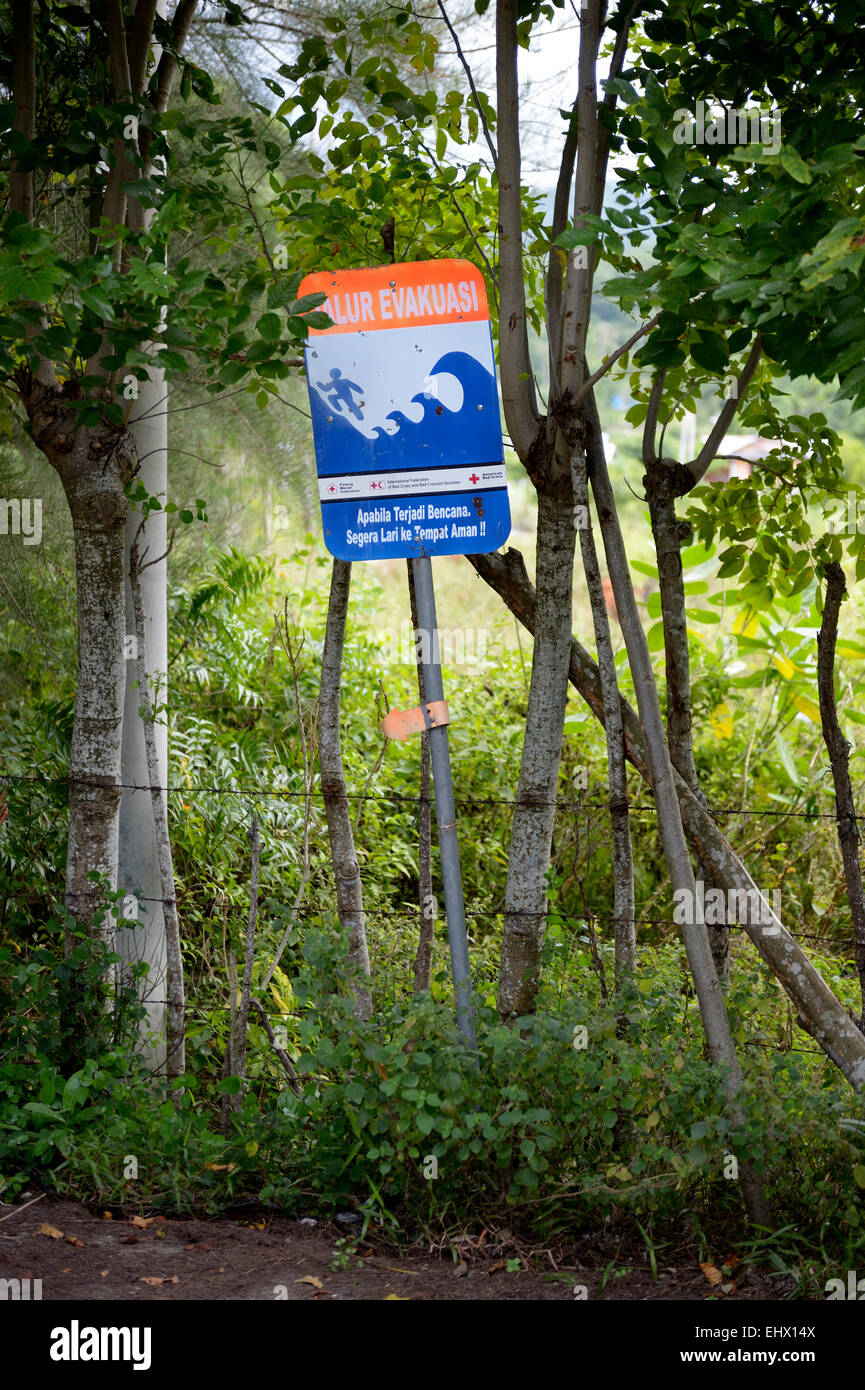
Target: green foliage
(590, 1112)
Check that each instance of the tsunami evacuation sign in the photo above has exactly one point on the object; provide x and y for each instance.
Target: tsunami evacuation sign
(405, 412)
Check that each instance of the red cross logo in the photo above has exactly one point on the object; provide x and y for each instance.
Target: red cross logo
(473, 478)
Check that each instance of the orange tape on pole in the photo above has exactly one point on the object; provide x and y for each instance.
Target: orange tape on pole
(399, 723)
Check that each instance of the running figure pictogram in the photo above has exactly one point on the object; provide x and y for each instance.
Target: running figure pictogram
(339, 392)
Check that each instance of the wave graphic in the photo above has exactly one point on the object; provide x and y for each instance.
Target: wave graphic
(471, 434)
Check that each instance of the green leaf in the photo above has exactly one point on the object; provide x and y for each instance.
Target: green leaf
(98, 303)
(576, 236)
(794, 164)
(270, 327)
(710, 353)
(786, 756)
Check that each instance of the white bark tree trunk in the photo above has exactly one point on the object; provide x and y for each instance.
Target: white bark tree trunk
(138, 860)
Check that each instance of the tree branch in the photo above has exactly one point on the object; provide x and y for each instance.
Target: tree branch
(650, 424)
(617, 62)
(578, 278)
(700, 465)
(471, 81)
(167, 68)
(24, 97)
(613, 358)
(839, 757)
(555, 279)
(518, 392)
(139, 44)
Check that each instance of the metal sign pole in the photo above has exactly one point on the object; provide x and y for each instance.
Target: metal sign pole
(444, 800)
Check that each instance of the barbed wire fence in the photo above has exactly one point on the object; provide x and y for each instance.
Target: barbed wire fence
(249, 793)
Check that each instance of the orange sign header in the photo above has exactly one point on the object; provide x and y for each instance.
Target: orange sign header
(413, 294)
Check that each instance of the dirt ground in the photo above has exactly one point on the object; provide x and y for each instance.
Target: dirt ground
(109, 1255)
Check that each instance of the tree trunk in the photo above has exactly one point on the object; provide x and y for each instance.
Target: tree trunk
(24, 94)
(620, 825)
(669, 533)
(139, 872)
(839, 756)
(93, 479)
(706, 984)
(534, 812)
(148, 695)
(349, 891)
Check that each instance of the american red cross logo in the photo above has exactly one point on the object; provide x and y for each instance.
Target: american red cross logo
(473, 478)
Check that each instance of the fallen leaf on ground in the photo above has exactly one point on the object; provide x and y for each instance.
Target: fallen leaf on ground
(52, 1231)
(396, 1298)
(220, 1167)
(156, 1281)
(106, 1216)
(73, 1240)
(103, 1273)
(310, 1279)
(713, 1275)
(142, 1222)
